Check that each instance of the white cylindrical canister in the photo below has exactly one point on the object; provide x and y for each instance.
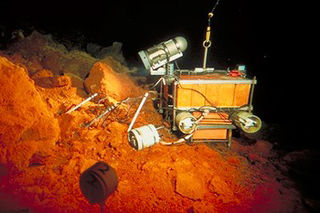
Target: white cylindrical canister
(246, 121)
(186, 122)
(142, 137)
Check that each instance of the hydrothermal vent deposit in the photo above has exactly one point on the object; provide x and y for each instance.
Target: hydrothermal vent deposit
(44, 150)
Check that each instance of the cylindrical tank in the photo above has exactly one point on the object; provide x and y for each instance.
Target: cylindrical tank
(186, 122)
(246, 121)
(98, 182)
(142, 137)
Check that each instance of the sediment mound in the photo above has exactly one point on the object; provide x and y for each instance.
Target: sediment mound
(39, 51)
(24, 115)
(103, 80)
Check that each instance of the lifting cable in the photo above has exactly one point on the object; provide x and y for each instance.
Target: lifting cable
(207, 43)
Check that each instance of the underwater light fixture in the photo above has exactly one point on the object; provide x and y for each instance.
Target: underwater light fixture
(163, 53)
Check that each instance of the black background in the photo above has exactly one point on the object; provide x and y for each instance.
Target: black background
(268, 36)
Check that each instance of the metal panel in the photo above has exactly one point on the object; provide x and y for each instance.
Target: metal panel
(216, 81)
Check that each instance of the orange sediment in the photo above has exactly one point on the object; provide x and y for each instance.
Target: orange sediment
(43, 151)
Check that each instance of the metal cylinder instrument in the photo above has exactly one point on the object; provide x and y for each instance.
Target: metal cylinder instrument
(186, 122)
(163, 53)
(98, 182)
(142, 137)
(246, 121)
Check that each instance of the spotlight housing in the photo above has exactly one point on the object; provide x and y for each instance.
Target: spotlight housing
(163, 53)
